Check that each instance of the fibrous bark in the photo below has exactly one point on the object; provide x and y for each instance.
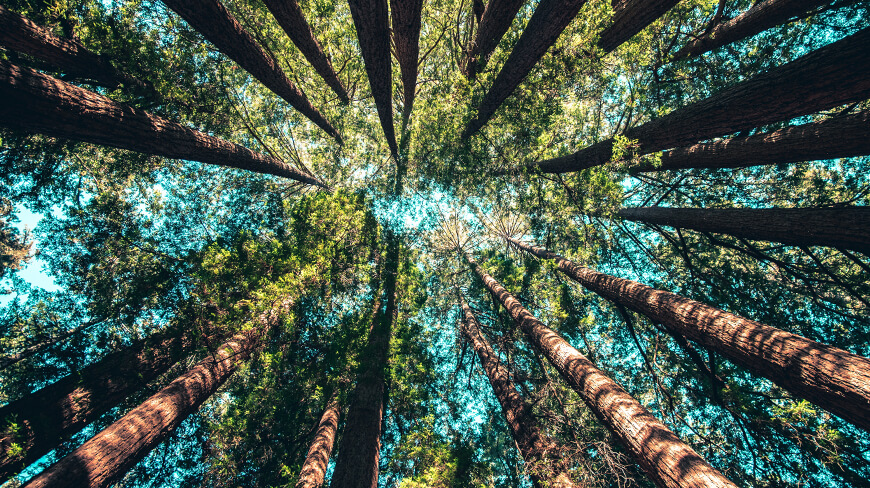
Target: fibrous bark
(832, 378)
(494, 22)
(840, 227)
(316, 461)
(39, 103)
(406, 37)
(218, 26)
(631, 17)
(666, 459)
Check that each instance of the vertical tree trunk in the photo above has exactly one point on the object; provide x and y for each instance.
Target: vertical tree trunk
(551, 17)
(406, 37)
(632, 17)
(538, 450)
(832, 378)
(39, 103)
(289, 15)
(314, 468)
(666, 459)
(833, 75)
(373, 31)
(219, 27)
(840, 227)
(495, 21)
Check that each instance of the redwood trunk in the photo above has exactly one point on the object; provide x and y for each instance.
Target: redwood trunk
(833, 75)
(832, 378)
(551, 17)
(538, 451)
(406, 36)
(840, 227)
(108, 455)
(666, 459)
(373, 31)
(219, 27)
(492, 26)
(39, 103)
(314, 467)
(631, 17)
(289, 15)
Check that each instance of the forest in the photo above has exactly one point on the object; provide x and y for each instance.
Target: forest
(435, 243)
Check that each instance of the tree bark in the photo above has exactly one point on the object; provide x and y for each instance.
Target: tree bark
(832, 378)
(835, 137)
(219, 27)
(314, 468)
(406, 37)
(493, 24)
(373, 31)
(39, 103)
(538, 450)
(833, 75)
(108, 455)
(289, 15)
(551, 17)
(631, 17)
(840, 227)
(667, 460)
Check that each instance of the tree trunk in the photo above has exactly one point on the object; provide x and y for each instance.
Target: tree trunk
(833, 75)
(39, 103)
(539, 452)
(314, 467)
(835, 137)
(551, 17)
(839, 227)
(219, 27)
(832, 378)
(492, 26)
(632, 17)
(406, 36)
(666, 459)
(373, 31)
(108, 455)
(38, 347)
(289, 15)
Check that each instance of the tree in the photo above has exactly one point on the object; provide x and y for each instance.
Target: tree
(406, 38)
(317, 459)
(492, 24)
(629, 19)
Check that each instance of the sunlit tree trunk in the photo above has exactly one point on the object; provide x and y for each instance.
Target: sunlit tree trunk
(39, 103)
(494, 22)
(631, 17)
(832, 378)
(316, 461)
(538, 451)
(840, 227)
(406, 37)
(289, 15)
(666, 459)
(220, 28)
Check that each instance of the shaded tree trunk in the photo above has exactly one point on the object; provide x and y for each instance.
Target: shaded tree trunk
(406, 37)
(832, 378)
(39, 103)
(840, 227)
(289, 15)
(666, 459)
(551, 17)
(314, 468)
(631, 17)
(492, 25)
(220, 28)
(833, 75)
(538, 450)
(372, 23)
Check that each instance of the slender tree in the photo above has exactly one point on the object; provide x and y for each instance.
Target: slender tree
(39, 103)
(665, 458)
(406, 37)
(494, 22)
(631, 17)
(219, 27)
(316, 461)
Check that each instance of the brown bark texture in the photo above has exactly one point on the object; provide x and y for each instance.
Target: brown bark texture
(108, 455)
(372, 22)
(839, 227)
(211, 19)
(495, 21)
(39, 103)
(632, 17)
(538, 450)
(666, 459)
(406, 37)
(832, 378)
(551, 17)
(835, 137)
(49, 416)
(289, 15)
(316, 461)
(836, 74)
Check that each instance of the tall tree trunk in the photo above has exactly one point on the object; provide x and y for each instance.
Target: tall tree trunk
(632, 17)
(495, 21)
(373, 31)
(219, 27)
(39, 103)
(666, 459)
(835, 137)
(314, 468)
(840, 227)
(833, 75)
(406, 36)
(832, 378)
(551, 17)
(49, 416)
(289, 15)
(538, 450)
